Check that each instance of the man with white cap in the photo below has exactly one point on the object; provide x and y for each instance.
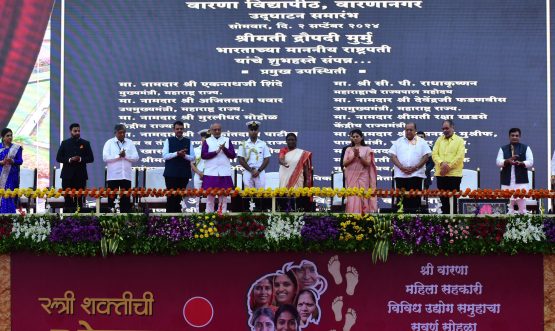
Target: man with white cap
(254, 157)
(217, 151)
(198, 165)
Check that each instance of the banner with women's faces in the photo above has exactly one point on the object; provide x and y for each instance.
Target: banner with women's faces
(277, 291)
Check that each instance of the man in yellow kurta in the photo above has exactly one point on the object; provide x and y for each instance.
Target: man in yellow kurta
(448, 156)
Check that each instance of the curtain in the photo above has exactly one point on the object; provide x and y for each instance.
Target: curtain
(22, 27)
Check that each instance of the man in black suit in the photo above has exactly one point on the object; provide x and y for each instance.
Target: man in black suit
(74, 153)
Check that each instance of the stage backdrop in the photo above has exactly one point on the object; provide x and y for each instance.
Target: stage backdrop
(222, 291)
(317, 68)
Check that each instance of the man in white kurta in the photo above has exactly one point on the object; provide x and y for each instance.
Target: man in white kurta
(217, 151)
(409, 155)
(119, 154)
(515, 159)
(254, 156)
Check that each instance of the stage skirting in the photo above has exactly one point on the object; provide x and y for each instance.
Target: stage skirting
(344, 272)
(206, 291)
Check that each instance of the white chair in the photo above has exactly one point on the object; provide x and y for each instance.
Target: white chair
(337, 181)
(238, 179)
(470, 179)
(154, 178)
(56, 203)
(27, 179)
(532, 204)
(272, 180)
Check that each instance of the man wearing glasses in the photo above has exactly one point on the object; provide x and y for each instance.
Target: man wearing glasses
(178, 153)
(217, 151)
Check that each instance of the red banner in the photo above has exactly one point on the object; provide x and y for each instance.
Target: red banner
(277, 291)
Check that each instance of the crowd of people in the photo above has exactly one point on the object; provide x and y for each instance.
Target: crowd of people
(210, 165)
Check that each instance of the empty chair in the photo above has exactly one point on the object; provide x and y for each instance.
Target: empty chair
(238, 179)
(337, 182)
(55, 203)
(28, 179)
(154, 178)
(470, 179)
(532, 204)
(272, 180)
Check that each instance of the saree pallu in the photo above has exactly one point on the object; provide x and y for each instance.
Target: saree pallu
(357, 175)
(293, 176)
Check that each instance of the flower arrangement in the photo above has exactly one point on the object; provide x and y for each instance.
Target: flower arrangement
(414, 232)
(355, 227)
(522, 231)
(246, 226)
(549, 229)
(457, 231)
(206, 228)
(283, 227)
(6, 225)
(75, 229)
(319, 228)
(378, 234)
(172, 229)
(37, 229)
(488, 228)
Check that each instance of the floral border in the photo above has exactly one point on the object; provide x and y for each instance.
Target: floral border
(381, 234)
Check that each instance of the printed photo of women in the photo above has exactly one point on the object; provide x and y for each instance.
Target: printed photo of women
(263, 320)
(308, 277)
(285, 288)
(287, 318)
(306, 274)
(294, 291)
(262, 294)
(307, 306)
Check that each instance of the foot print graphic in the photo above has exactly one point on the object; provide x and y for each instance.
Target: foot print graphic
(334, 268)
(337, 307)
(350, 319)
(352, 280)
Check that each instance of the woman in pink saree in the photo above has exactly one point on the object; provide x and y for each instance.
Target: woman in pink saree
(360, 171)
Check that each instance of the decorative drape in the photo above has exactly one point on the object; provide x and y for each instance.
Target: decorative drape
(22, 27)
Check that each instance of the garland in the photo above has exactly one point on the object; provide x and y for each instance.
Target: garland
(324, 192)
